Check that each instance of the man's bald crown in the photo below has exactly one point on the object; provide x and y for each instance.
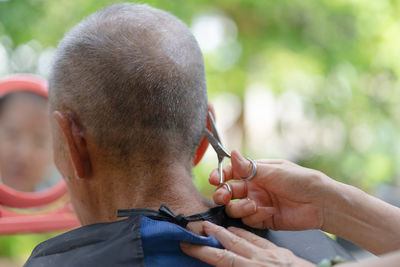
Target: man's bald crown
(133, 77)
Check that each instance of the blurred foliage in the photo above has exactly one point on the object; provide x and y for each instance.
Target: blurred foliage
(339, 59)
(19, 247)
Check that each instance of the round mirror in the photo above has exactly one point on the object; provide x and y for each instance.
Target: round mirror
(27, 170)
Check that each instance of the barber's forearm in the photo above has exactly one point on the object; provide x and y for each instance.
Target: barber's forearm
(363, 219)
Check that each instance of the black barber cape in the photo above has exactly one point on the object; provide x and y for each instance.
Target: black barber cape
(151, 238)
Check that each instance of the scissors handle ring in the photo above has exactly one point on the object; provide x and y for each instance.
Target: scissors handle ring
(253, 171)
(228, 187)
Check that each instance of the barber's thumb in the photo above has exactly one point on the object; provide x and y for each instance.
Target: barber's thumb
(240, 166)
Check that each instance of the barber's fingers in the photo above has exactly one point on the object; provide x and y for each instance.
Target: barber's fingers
(222, 196)
(241, 208)
(215, 256)
(214, 175)
(252, 238)
(242, 249)
(241, 167)
(230, 241)
(262, 219)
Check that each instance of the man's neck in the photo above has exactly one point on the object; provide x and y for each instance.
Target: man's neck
(145, 188)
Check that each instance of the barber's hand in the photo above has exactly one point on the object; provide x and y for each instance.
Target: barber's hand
(282, 195)
(242, 249)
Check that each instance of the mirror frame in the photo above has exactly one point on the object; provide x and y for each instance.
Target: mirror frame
(9, 196)
(12, 222)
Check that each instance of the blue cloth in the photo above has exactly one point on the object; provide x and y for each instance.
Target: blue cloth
(160, 242)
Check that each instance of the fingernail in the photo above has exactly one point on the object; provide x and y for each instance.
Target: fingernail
(250, 206)
(214, 173)
(226, 199)
(221, 196)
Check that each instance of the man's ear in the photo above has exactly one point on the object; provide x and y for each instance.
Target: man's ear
(76, 143)
(201, 149)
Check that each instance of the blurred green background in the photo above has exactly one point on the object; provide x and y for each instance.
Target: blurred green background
(312, 81)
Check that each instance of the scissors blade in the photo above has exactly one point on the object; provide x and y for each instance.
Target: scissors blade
(213, 128)
(221, 151)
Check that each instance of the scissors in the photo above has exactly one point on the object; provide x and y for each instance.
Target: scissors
(215, 142)
(222, 153)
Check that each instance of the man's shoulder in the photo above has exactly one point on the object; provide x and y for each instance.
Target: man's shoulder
(92, 245)
(137, 241)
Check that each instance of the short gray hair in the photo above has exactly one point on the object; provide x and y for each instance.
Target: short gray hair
(133, 77)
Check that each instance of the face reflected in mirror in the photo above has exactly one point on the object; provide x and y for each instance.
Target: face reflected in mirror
(26, 162)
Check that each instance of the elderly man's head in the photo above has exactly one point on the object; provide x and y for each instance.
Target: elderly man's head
(131, 78)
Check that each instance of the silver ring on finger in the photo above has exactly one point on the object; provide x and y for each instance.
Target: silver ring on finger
(253, 171)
